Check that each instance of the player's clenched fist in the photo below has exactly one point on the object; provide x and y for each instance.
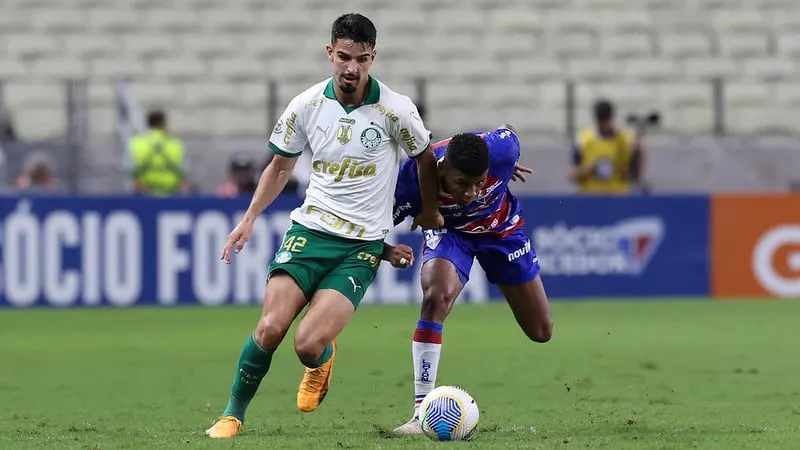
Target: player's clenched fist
(238, 237)
(399, 256)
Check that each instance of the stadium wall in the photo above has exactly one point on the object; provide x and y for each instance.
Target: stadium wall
(133, 251)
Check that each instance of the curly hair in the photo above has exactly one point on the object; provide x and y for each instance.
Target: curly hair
(468, 153)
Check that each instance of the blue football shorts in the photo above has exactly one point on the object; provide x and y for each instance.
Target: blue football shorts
(509, 261)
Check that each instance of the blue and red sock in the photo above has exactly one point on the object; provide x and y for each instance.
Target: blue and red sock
(426, 349)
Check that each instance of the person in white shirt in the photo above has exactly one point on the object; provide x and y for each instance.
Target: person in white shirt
(356, 129)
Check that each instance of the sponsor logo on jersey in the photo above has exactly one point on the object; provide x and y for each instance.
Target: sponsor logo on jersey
(291, 123)
(408, 139)
(399, 209)
(278, 127)
(324, 131)
(344, 133)
(388, 113)
(433, 237)
(335, 222)
(520, 251)
(349, 168)
(624, 248)
(370, 138)
(315, 103)
(505, 133)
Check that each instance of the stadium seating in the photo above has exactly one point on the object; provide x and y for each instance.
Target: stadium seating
(488, 61)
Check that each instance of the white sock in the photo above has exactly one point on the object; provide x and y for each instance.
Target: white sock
(426, 349)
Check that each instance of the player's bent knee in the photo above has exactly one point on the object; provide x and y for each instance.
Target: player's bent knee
(269, 333)
(541, 332)
(436, 304)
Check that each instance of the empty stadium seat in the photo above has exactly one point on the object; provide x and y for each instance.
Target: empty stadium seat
(207, 61)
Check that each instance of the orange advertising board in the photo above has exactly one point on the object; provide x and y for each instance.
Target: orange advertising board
(755, 246)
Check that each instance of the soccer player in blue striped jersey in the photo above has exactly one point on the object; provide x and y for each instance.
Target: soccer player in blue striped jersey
(483, 221)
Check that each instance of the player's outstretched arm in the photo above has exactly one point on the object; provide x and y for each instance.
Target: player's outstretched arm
(429, 217)
(271, 183)
(415, 139)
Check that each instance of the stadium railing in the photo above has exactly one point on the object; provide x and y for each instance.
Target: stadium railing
(129, 122)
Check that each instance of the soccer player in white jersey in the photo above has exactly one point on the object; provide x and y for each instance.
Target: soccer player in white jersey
(355, 128)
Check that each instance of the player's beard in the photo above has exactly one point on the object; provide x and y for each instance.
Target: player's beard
(349, 88)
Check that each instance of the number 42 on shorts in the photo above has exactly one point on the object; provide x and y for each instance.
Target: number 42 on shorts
(293, 244)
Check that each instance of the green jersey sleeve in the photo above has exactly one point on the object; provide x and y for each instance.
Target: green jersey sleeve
(289, 136)
(410, 131)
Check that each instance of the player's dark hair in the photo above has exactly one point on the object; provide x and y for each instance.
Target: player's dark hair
(603, 109)
(354, 27)
(156, 119)
(468, 153)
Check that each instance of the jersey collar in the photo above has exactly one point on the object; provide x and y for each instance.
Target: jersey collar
(373, 97)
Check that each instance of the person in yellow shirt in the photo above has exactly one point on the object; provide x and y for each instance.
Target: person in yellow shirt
(158, 159)
(606, 160)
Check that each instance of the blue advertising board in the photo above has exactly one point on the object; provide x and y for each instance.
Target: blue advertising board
(134, 251)
(638, 246)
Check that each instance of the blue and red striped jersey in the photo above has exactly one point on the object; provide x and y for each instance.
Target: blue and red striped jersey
(495, 212)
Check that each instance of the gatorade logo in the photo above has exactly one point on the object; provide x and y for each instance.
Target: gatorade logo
(755, 246)
(776, 261)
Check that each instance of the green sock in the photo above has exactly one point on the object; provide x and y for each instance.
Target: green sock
(253, 365)
(324, 357)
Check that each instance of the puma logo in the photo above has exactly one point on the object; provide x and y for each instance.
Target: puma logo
(323, 130)
(355, 285)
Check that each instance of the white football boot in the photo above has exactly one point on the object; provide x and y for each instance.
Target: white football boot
(410, 427)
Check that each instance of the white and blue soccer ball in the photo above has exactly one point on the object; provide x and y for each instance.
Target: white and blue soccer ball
(449, 413)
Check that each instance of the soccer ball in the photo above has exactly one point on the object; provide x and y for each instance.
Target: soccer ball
(448, 413)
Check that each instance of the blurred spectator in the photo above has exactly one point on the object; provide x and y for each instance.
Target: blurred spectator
(7, 133)
(605, 159)
(37, 175)
(242, 177)
(158, 159)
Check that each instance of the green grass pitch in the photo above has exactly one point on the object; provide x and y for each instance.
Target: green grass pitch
(624, 374)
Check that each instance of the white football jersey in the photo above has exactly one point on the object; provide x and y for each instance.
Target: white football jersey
(355, 154)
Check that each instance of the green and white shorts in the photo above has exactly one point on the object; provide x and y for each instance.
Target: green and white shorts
(318, 260)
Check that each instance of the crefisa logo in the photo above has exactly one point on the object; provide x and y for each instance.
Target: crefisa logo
(623, 248)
